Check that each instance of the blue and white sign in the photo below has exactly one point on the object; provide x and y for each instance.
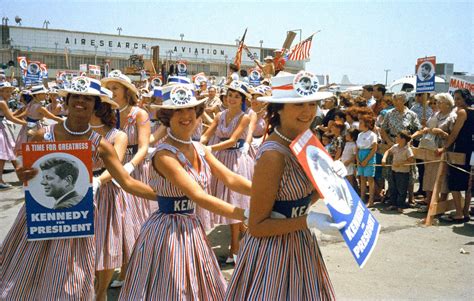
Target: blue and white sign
(425, 74)
(361, 229)
(59, 200)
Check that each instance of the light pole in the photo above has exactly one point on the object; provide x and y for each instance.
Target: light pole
(386, 76)
(56, 47)
(237, 41)
(45, 24)
(119, 29)
(300, 30)
(182, 36)
(226, 68)
(261, 50)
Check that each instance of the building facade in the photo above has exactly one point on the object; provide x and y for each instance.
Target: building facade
(66, 50)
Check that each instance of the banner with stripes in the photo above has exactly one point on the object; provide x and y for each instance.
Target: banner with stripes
(300, 51)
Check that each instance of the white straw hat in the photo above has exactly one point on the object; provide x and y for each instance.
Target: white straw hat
(117, 77)
(295, 88)
(178, 96)
(88, 86)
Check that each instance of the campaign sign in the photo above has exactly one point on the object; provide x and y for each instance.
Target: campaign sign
(182, 68)
(33, 74)
(254, 77)
(344, 204)
(59, 201)
(425, 74)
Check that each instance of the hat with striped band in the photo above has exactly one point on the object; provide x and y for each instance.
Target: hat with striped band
(178, 96)
(117, 77)
(88, 86)
(38, 89)
(155, 92)
(295, 88)
(6, 85)
(239, 86)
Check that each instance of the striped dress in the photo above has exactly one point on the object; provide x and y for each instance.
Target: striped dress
(234, 160)
(61, 269)
(34, 123)
(7, 144)
(283, 267)
(109, 224)
(136, 210)
(172, 259)
(258, 133)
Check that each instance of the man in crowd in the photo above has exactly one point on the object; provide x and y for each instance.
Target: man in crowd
(367, 94)
(378, 94)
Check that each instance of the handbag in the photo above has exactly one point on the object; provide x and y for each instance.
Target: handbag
(429, 141)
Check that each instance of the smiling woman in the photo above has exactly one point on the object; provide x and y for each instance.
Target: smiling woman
(55, 262)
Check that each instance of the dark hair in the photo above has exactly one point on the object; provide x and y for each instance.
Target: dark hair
(106, 114)
(96, 104)
(26, 97)
(164, 115)
(340, 114)
(233, 67)
(62, 167)
(333, 98)
(369, 88)
(368, 120)
(465, 95)
(353, 112)
(353, 133)
(273, 118)
(243, 98)
(381, 88)
(426, 66)
(405, 135)
(243, 73)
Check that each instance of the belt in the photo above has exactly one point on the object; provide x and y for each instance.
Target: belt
(28, 119)
(196, 139)
(98, 172)
(292, 209)
(174, 205)
(258, 137)
(239, 144)
(132, 149)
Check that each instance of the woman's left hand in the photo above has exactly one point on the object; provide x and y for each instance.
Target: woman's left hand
(26, 173)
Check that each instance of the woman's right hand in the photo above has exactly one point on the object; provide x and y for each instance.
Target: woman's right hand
(25, 174)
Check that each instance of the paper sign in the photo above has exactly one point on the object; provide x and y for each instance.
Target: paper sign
(362, 229)
(425, 74)
(59, 201)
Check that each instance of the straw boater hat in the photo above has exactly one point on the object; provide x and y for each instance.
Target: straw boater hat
(181, 80)
(295, 88)
(38, 89)
(6, 85)
(239, 86)
(88, 86)
(268, 58)
(178, 96)
(261, 90)
(117, 77)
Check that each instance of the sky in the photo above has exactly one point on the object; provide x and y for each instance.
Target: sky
(359, 39)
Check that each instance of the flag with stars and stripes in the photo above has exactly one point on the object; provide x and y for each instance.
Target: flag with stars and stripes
(300, 51)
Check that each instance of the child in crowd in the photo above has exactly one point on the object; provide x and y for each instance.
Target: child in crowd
(402, 155)
(337, 142)
(326, 141)
(349, 155)
(366, 148)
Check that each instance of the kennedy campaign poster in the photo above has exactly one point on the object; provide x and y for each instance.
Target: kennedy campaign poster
(344, 204)
(59, 200)
(425, 74)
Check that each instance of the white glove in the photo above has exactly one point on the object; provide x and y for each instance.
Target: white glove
(245, 148)
(129, 167)
(95, 185)
(274, 214)
(339, 168)
(323, 223)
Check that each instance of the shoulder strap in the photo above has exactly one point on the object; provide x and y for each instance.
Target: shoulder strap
(165, 146)
(273, 146)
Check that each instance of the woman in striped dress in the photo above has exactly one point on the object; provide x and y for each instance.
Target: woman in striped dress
(61, 269)
(135, 122)
(6, 140)
(279, 259)
(172, 259)
(258, 125)
(34, 113)
(109, 199)
(231, 128)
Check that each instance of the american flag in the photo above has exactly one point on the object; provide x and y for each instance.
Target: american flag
(300, 51)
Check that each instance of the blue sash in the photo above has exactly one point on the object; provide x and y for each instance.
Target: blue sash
(239, 144)
(173, 205)
(28, 119)
(292, 209)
